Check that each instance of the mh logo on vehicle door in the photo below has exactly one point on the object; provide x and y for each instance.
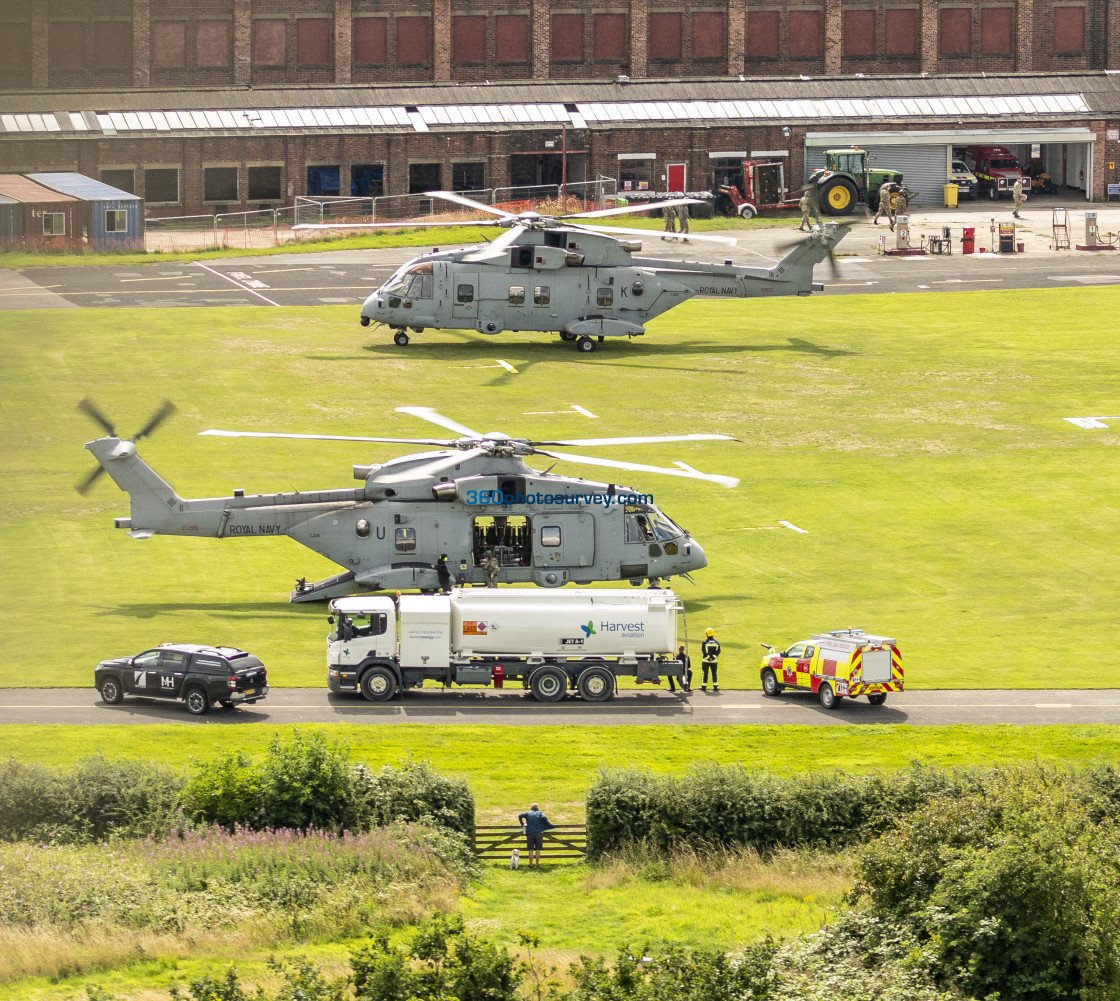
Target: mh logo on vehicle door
(140, 679)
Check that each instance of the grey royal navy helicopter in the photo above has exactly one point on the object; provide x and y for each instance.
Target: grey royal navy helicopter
(474, 500)
(546, 274)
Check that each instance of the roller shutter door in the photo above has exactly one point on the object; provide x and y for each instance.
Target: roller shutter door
(924, 168)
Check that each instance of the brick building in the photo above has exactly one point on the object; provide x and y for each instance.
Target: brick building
(246, 103)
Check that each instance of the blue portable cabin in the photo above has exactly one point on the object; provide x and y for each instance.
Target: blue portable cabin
(11, 222)
(115, 218)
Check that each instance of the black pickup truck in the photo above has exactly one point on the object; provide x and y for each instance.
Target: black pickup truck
(198, 675)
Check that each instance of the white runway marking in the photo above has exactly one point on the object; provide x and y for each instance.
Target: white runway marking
(233, 281)
(1090, 422)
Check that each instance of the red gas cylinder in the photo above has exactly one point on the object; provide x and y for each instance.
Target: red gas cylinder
(499, 675)
(968, 240)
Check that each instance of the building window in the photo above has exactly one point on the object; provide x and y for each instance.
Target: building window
(423, 177)
(995, 30)
(955, 33)
(412, 40)
(1069, 30)
(900, 32)
(54, 224)
(112, 45)
(161, 184)
(313, 41)
(219, 184)
(542, 295)
(211, 44)
(323, 180)
(367, 180)
(511, 38)
(18, 48)
(264, 184)
(611, 41)
(858, 33)
(567, 38)
(468, 39)
(634, 175)
(665, 36)
(169, 44)
(517, 295)
(468, 176)
(804, 34)
(123, 179)
(404, 540)
(763, 34)
(370, 41)
(116, 220)
(707, 35)
(67, 45)
(270, 42)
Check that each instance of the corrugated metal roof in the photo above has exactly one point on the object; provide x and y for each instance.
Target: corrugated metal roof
(86, 188)
(19, 188)
(329, 110)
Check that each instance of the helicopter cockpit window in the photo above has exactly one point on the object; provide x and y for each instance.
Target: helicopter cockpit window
(644, 523)
(517, 295)
(542, 295)
(404, 540)
(550, 536)
(604, 296)
(417, 282)
(464, 293)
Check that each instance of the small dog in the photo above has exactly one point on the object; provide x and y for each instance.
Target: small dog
(515, 859)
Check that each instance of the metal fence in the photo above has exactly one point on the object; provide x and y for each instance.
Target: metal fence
(256, 230)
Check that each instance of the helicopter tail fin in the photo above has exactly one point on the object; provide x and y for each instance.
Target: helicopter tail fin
(153, 500)
(797, 266)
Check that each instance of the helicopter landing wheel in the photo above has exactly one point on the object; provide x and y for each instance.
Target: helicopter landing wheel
(400, 338)
(566, 335)
(586, 344)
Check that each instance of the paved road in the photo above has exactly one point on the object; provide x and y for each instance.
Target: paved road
(316, 705)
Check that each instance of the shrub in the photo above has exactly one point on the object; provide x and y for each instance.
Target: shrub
(306, 782)
(412, 791)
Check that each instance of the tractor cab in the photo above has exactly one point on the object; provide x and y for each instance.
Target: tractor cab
(847, 161)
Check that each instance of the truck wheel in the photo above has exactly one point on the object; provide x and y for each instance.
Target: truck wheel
(747, 211)
(549, 684)
(378, 684)
(198, 702)
(877, 698)
(839, 197)
(596, 684)
(770, 684)
(111, 691)
(827, 696)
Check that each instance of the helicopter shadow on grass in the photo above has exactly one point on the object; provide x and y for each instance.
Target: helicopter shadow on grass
(150, 609)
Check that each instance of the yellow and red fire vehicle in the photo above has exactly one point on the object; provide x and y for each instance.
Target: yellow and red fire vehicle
(844, 663)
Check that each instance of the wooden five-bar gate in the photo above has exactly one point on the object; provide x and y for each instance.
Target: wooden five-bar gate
(495, 842)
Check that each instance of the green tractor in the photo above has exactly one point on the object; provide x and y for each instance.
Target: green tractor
(845, 181)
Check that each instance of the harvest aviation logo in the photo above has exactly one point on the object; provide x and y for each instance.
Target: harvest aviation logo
(589, 629)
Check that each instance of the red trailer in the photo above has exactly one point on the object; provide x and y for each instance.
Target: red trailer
(759, 187)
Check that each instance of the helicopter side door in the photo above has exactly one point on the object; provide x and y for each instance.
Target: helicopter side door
(564, 540)
(464, 295)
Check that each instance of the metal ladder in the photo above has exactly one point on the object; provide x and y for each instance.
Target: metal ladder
(1060, 223)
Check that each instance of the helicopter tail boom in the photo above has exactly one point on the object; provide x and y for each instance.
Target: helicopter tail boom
(152, 498)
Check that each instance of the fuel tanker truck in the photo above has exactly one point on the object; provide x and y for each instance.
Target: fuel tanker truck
(553, 641)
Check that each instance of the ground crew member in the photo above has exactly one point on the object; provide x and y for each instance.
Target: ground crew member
(444, 573)
(884, 205)
(805, 207)
(815, 204)
(709, 651)
(670, 214)
(1017, 195)
(491, 565)
(682, 219)
(901, 204)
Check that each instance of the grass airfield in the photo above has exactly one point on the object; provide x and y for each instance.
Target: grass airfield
(920, 447)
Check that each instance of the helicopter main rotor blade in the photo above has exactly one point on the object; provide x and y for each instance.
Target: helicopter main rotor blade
(649, 233)
(431, 469)
(631, 209)
(451, 196)
(496, 247)
(217, 433)
(649, 440)
(88, 408)
(723, 481)
(435, 417)
(156, 420)
(403, 224)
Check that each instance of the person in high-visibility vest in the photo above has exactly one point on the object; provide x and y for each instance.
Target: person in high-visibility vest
(709, 652)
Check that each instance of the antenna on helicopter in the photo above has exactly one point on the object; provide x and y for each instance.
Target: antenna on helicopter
(89, 408)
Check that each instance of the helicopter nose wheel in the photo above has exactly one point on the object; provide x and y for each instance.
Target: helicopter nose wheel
(586, 345)
(400, 338)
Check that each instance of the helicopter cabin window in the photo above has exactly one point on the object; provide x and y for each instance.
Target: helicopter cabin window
(506, 536)
(644, 523)
(517, 295)
(542, 295)
(550, 536)
(464, 293)
(604, 296)
(404, 540)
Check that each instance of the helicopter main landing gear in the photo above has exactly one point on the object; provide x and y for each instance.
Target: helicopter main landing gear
(567, 335)
(586, 344)
(400, 338)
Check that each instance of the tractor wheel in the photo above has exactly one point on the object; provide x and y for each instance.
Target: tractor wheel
(839, 197)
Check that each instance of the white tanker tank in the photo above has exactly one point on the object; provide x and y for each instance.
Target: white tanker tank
(553, 641)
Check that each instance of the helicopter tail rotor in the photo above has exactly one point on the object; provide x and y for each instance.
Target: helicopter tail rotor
(87, 407)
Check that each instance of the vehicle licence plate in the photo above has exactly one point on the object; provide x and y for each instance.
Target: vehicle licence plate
(249, 691)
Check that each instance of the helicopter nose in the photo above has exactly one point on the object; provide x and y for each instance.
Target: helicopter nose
(370, 308)
(695, 556)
